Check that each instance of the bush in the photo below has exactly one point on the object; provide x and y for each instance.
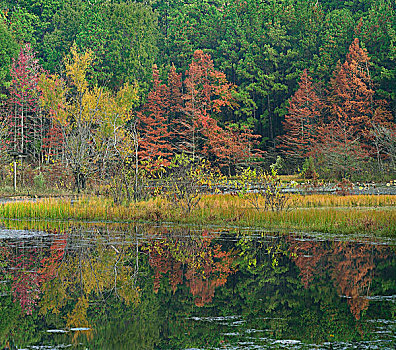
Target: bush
(263, 190)
(186, 181)
(39, 180)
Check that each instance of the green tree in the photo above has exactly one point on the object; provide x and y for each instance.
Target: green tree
(377, 31)
(335, 37)
(123, 38)
(8, 51)
(60, 35)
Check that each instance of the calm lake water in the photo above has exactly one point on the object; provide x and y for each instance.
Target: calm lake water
(107, 286)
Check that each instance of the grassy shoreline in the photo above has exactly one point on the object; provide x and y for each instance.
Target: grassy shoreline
(366, 214)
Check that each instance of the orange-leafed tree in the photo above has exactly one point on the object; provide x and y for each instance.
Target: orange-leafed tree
(338, 149)
(206, 92)
(309, 257)
(346, 139)
(199, 263)
(180, 117)
(352, 95)
(154, 126)
(353, 270)
(303, 116)
(233, 145)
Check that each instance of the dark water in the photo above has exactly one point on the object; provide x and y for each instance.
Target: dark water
(127, 287)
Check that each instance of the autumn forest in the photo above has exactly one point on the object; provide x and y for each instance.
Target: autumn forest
(197, 174)
(95, 90)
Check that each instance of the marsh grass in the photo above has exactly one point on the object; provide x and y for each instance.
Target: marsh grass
(324, 213)
(329, 200)
(55, 226)
(307, 201)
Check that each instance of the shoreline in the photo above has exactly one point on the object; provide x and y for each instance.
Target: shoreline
(363, 214)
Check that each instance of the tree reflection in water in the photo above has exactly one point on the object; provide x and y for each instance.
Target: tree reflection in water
(193, 257)
(144, 287)
(351, 266)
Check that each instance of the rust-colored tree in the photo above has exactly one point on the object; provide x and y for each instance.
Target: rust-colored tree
(154, 126)
(179, 117)
(352, 95)
(338, 149)
(206, 266)
(353, 272)
(233, 146)
(175, 93)
(206, 92)
(350, 265)
(346, 139)
(304, 112)
(207, 269)
(308, 256)
(50, 264)
(163, 263)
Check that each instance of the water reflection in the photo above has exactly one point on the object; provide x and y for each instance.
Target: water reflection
(143, 287)
(193, 259)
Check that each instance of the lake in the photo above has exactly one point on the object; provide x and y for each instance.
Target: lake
(119, 286)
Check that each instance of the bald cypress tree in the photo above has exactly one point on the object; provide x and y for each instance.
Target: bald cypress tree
(303, 116)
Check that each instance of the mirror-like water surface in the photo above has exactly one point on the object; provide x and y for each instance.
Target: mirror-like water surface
(106, 286)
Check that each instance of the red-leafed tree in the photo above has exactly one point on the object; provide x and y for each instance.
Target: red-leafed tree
(25, 122)
(205, 264)
(53, 142)
(352, 95)
(338, 149)
(180, 118)
(154, 127)
(351, 266)
(353, 271)
(25, 279)
(346, 139)
(208, 272)
(175, 93)
(50, 264)
(308, 257)
(303, 116)
(233, 146)
(206, 92)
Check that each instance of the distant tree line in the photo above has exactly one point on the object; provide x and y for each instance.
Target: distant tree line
(87, 86)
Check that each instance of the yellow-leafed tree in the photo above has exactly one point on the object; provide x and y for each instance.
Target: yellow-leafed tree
(92, 120)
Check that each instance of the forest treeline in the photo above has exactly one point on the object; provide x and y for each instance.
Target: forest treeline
(88, 85)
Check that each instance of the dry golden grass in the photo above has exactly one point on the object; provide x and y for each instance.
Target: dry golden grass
(325, 213)
(307, 201)
(328, 200)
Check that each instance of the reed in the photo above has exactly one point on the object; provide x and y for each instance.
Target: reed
(324, 213)
(328, 200)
